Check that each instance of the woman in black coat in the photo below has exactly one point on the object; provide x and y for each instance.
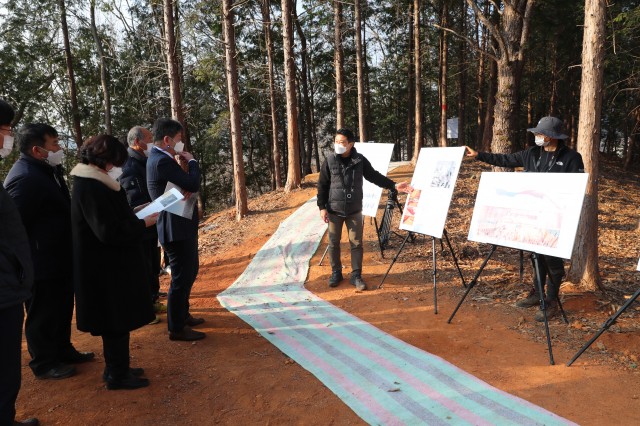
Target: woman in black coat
(112, 297)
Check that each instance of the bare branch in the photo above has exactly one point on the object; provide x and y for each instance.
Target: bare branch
(526, 19)
(472, 43)
(495, 32)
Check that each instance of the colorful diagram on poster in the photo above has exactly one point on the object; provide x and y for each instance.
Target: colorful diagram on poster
(537, 212)
(433, 181)
(379, 155)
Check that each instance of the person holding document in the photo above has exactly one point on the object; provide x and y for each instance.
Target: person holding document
(112, 292)
(177, 234)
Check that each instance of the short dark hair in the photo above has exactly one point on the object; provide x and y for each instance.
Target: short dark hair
(347, 133)
(7, 113)
(32, 134)
(165, 127)
(102, 149)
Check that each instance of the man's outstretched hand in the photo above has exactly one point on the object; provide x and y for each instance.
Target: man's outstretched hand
(470, 152)
(404, 187)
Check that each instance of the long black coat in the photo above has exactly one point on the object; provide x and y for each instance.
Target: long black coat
(112, 294)
(42, 197)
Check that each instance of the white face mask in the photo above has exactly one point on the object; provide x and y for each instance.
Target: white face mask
(339, 149)
(7, 146)
(115, 172)
(540, 140)
(179, 147)
(54, 158)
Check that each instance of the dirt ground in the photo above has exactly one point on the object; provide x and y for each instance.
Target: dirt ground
(235, 376)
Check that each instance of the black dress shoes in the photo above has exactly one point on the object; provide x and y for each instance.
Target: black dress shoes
(186, 334)
(193, 321)
(60, 371)
(75, 357)
(127, 382)
(28, 422)
(137, 372)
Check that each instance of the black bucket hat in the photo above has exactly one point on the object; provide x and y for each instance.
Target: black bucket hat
(549, 126)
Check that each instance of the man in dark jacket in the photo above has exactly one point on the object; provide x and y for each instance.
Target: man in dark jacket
(134, 181)
(177, 234)
(549, 155)
(16, 279)
(37, 186)
(340, 202)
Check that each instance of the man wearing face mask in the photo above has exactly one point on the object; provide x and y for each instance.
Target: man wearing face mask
(16, 279)
(134, 181)
(549, 155)
(178, 235)
(340, 202)
(37, 186)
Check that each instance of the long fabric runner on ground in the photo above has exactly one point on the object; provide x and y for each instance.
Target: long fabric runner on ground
(381, 378)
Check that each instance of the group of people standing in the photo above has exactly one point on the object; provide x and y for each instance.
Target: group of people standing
(90, 244)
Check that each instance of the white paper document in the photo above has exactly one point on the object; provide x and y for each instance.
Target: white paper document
(183, 207)
(163, 202)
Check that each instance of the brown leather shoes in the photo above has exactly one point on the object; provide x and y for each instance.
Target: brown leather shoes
(186, 334)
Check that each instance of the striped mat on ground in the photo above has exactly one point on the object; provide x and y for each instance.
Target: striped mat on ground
(381, 378)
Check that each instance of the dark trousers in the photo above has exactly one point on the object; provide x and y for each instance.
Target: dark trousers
(552, 272)
(355, 226)
(116, 354)
(183, 259)
(10, 351)
(152, 259)
(48, 324)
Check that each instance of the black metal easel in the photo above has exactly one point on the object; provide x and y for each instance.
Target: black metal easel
(434, 270)
(384, 230)
(605, 326)
(543, 306)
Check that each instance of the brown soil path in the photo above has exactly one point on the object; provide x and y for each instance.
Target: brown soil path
(235, 376)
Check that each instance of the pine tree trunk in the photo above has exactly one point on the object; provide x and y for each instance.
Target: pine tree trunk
(293, 145)
(584, 265)
(104, 79)
(277, 172)
(417, 63)
(173, 65)
(482, 46)
(462, 95)
(308, 138)
(442, 137)
(410, 85)
(73, 93)
(338, 62)
(362, 115)
(231, 69)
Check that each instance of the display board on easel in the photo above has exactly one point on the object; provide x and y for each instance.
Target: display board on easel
(433, 181)
(536, 212)
(379, 155)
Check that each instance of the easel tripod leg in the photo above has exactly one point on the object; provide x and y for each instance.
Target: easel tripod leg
(435, 271)
(608, 323)
(543, 305)
(394, 259)
(455, 259)
(473, 282)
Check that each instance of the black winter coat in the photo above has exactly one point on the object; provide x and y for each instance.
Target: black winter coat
(16, 269)
(134, 181)
(565, 160)
(42, 197)
(111, 278)
(340, 182)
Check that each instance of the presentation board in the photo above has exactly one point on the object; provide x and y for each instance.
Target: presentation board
(536, 212)
(638, 267)
(434, 179)
(379, 155)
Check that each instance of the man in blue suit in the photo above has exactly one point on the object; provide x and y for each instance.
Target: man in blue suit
(178, 235)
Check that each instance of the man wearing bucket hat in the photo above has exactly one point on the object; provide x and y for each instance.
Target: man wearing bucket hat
(549, 155)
